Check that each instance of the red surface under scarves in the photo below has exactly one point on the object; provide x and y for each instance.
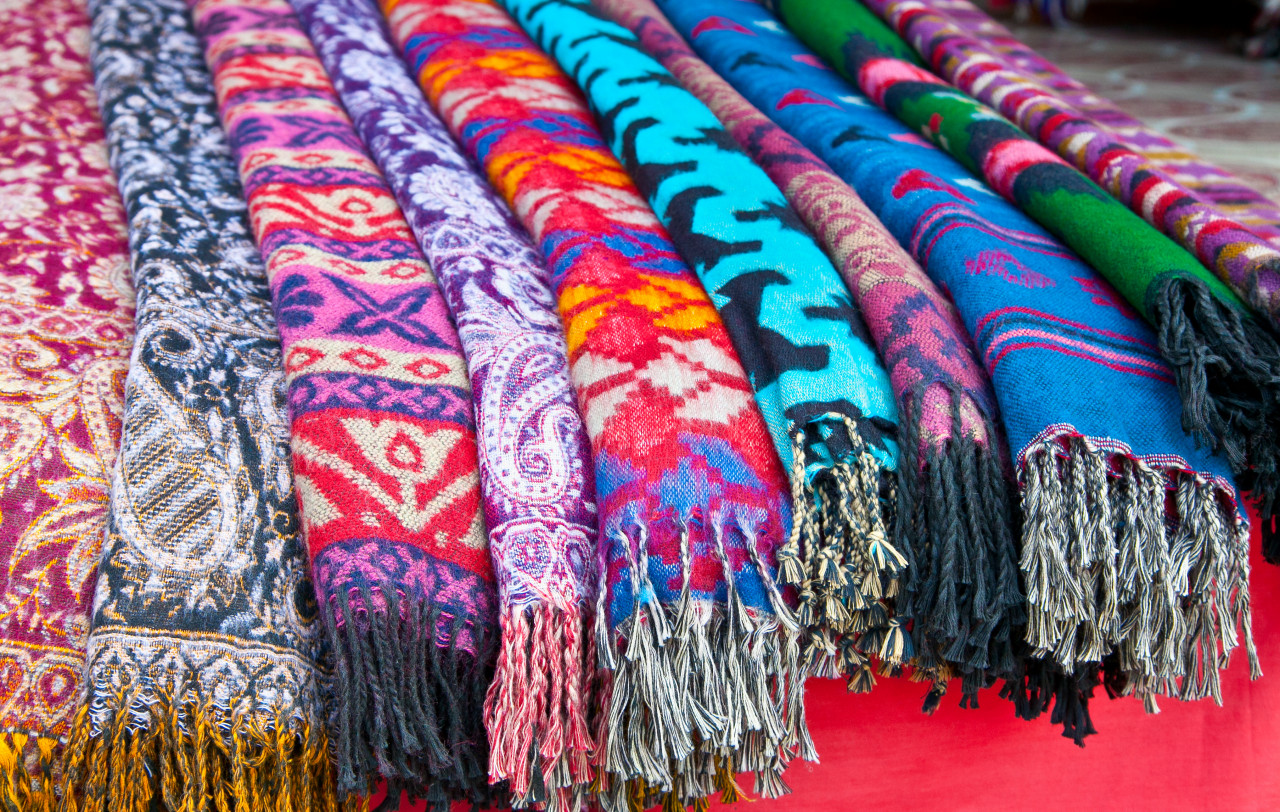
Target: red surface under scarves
(880, 753)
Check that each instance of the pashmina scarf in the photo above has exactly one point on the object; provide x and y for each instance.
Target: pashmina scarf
(202, 686)
(535, 464)
(1248, 263)
(1226, 363)
(383, 443)
(824, 395)
(1131, 542)
(66, 326)
(960, 590)
(698, 646)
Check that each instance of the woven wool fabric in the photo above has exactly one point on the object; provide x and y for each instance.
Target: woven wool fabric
(383, 438)
(1130, 543)
(693, 501)
(66, 326)
(966, 613)
(1247, 262)
(535, 461)
(826, 398)
(1226, 364)
(201, 679)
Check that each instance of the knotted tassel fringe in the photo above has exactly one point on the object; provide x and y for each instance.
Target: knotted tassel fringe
(135, 752)
(1228, 373)
(30, 769)
(409, 698)
(537, 708)
(698, 692)
(958, 526)
(839, 556)
(1038, 685)
(1119, 557)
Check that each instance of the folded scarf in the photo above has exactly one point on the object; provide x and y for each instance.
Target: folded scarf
(66, 326)
(699, 647)
(201, 678)
(826, 399)
(1224, 190)
(1226, 364)
(955, 513)
(1247, 262)
(383, 441)
(1131, 542)
(535, 464)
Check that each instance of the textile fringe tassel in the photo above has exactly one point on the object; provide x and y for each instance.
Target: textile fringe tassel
(700, 693)
(29, 772)
(537, 708)
(839, 556)
(1228, 373)
(1118, 557)
(409, 699)
(186, 755)
(1039, 685)
(958, 528)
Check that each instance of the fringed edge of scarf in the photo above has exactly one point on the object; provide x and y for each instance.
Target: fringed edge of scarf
(30, 771)
(1041, 686)
(693, 696)
(149, 748)
(1121, 557)
(958, 527)
(1227, 367)
(538, 706)
(840, 559)
(409, 700)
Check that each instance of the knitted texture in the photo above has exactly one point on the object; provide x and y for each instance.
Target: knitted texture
(201, 678)
(1132, 550)
(382, 434)
(1226, 364)
(66, 326)
(535, 465)
(693, 502)
(961, 585)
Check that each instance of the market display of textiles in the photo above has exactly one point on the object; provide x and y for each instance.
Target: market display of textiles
(517, 402)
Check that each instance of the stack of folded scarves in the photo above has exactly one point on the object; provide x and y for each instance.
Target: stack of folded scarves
(749, 383)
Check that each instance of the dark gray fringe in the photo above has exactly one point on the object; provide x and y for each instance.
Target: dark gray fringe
(1227, 366)
(406, 709)
(697, 691)
(840, 559)
(1038, 685)
(958, 527)
(1106, 571)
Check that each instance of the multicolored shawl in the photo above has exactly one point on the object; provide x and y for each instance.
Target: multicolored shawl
(1248, 263)
(1226, 364)
(535, 460)
(383, 438)
(824, 395)
(202, 687)
(960, 591)
(693, 501)
(1227, 192)
(66, 326)
(1131, 542)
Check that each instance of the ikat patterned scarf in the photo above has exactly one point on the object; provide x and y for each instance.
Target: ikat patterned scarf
(699, 650)
(960, 589)
(383, 441)
(1226, 364)
(66, 326)
(201, 682)
(1132, 549)
(536, 473)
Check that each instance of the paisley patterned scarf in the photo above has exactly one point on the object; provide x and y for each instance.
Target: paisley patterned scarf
(960, 589)
(66, 326)
(1132, 549)
(1226, 364)
(824, 395)
(201, 678)
(383, 442)
(701, 674)
(535, 463)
